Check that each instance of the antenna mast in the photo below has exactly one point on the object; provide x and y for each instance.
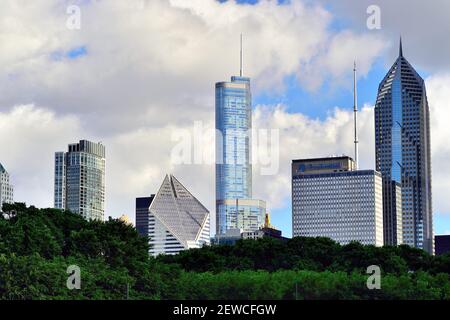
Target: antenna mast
(355, 113)
(240, 58)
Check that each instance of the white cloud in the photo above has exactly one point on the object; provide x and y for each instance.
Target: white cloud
(147, 56)
(438, 90)
(29, 136)
(423, 25)
(304, 137)
(344, 49)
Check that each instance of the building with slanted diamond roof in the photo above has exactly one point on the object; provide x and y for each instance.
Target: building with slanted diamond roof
(172, 219)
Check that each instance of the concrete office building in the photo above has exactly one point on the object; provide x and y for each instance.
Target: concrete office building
(330, 198)
(172, 219)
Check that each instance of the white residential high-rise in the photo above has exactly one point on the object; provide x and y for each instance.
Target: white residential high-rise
(173, 219)
(332, 199)
(6, 189)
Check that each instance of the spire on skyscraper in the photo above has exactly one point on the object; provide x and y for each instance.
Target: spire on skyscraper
(240, 59)
(355, 115)
(400, 50)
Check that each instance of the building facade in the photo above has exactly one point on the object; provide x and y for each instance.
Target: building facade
(231, 236)
(173, 219)
(402, 148)
(392, 213)
(6, 189)
(332, 199)
(235, 207)
(80, 179)
(246, 214)
(267, 231)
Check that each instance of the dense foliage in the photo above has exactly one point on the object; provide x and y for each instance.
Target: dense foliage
(37, 246)
(314, 254)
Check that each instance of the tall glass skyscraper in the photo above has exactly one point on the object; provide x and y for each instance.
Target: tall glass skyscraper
(80, 179)
(234, 206)
(6, 189)
(234, 122)
(402, 142)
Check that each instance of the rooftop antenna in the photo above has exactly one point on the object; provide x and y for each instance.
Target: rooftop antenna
(240, 58)
(355, 113)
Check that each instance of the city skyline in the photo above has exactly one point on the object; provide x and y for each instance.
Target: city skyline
(133, 107)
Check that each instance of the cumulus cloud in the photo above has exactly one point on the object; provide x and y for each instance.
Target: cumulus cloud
(438, 90)
(344, 49)
(305, 137)
(143, 57)
(29, 136)
(136, 161)
(424, 26)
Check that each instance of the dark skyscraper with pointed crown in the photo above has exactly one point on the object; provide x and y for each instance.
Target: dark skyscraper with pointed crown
(402, 143)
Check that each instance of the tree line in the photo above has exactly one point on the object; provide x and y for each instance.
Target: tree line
(38, 245)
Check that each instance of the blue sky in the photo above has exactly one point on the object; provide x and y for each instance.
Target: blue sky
(72, 53)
